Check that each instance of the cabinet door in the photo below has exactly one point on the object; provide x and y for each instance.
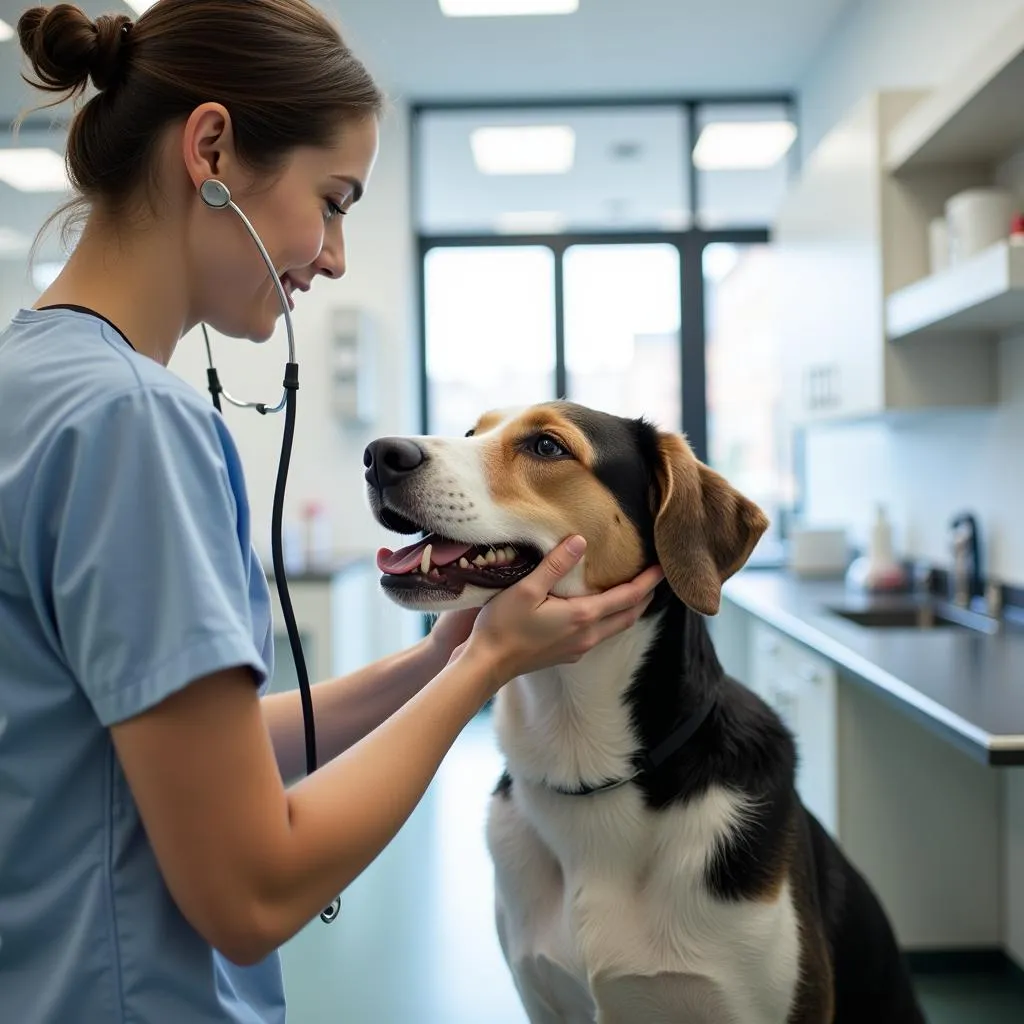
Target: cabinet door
(765, 660)
(811, 684)
(801, 688)
(828, 233)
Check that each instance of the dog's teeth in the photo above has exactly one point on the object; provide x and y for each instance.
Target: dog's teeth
(479, 560)
(425, 560)
(491, 558)
(463, 563)
(510, 554)
(435, 572)
(499, 556)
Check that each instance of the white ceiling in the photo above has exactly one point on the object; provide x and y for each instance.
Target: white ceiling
(608, 48)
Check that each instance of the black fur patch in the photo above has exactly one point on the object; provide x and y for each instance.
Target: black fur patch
(626, 453)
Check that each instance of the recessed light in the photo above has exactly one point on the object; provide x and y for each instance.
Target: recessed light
(33, 170)
(505, 8)
(140, 6)
(541, 149)
(531, 222)
(743, 145)
(6, 31)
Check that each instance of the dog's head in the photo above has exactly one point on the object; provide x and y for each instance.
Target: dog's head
(493, 503)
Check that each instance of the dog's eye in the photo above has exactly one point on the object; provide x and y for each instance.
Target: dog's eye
(548, 448)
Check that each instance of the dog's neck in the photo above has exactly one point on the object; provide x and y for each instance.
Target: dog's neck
(575, 725)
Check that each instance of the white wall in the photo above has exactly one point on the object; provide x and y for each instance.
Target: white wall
(892, 44)
(925, 467)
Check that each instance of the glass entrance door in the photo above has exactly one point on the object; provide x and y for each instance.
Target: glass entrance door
(622, 330)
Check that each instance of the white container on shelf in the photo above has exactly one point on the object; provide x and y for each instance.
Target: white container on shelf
(977, 218)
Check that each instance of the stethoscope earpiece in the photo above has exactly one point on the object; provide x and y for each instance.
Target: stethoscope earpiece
(215, 193)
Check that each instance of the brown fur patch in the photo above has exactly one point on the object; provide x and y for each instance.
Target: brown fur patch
(563, 495)
(815, 996)
(705, 529)
(488, 421)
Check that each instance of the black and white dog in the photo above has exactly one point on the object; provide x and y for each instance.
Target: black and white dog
(653, 861)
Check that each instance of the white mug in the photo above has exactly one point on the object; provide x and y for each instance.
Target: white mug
(978, 218)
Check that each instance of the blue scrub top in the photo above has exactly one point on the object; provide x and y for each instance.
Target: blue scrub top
(126, 572)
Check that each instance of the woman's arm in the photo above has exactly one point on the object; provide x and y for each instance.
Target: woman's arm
(250, 862)
(347, 708)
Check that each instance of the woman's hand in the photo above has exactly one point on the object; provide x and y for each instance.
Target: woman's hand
(525, 628)
(449, 633)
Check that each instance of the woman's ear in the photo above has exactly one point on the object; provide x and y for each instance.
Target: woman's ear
(208, 146)
(704, 530)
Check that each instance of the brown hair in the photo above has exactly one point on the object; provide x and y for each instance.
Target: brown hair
(280, 68)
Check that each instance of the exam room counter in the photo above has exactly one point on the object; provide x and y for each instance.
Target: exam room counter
(964, 686)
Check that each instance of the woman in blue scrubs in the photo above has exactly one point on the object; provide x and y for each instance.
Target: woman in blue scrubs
(152, 860)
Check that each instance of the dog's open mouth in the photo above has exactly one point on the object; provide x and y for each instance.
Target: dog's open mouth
(437, 563)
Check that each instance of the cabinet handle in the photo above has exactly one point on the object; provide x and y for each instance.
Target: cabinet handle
(810, 674)
(834, 399)
(785, 707)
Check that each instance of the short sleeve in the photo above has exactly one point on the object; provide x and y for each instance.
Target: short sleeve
(137, 547)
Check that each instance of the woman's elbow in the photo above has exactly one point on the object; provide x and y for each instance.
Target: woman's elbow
(243, 933)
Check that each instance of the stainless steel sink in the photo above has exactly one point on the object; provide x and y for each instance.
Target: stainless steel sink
(915, 615)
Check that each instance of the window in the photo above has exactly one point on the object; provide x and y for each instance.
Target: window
(622, 328)
(490, 331)
(614, 254)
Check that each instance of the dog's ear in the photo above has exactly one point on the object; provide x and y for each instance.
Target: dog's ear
(704, 529)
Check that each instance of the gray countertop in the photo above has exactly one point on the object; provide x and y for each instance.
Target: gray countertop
(966, 686)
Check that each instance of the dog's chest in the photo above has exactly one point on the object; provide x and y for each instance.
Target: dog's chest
(628, 924)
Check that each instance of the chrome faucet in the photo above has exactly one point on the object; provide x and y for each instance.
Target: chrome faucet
(966, 577)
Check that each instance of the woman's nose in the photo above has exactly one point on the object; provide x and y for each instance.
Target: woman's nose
(331, 261)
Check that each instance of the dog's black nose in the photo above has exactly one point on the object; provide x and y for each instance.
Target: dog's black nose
(389, 460)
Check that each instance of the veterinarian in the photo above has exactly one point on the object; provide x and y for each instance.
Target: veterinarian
(152, 859)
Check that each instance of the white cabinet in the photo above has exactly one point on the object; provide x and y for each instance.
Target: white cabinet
(848, 235)
(801, 687)
(918, 818)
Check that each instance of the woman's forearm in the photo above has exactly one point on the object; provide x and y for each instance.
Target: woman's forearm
(347, 708)
(340, 818)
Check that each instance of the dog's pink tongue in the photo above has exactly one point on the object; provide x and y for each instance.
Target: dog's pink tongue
(405, 560)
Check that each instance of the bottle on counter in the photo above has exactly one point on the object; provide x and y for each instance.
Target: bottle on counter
(878, 571)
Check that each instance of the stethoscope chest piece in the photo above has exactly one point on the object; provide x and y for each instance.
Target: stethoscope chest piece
(328, 914)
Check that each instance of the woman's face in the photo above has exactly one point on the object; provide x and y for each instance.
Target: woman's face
(299, 215)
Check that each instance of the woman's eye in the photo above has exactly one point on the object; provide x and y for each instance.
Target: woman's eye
(548, 448)
(333, 210)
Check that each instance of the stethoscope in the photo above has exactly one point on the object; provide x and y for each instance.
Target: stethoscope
(216, 195)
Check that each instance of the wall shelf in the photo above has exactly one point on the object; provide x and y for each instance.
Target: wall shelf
(982, 294)
(974, 118)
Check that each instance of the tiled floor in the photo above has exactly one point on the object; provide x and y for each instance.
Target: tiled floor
(415, 941)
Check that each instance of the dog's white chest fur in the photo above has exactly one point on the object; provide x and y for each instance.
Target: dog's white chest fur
(601, 906)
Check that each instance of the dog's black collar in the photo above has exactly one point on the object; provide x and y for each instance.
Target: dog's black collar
(649, 762)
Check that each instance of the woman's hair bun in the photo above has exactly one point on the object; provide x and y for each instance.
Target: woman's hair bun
(66, 47)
